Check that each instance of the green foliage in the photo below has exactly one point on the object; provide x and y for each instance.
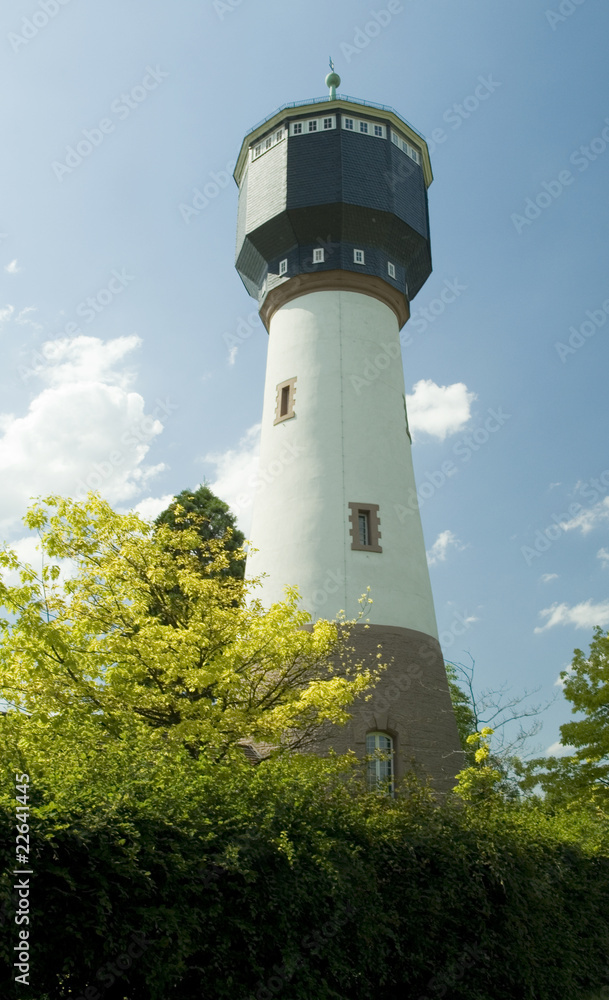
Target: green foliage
(212, 519)
(463, 709)
(581, 779)
(285, 880)
(168, 868)
(81, 649)
(480, 781)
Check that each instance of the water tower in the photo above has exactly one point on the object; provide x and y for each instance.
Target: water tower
(333, 242)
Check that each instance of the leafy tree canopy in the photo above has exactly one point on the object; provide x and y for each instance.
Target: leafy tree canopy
(79, 647)
(212, 520)
(583, 776)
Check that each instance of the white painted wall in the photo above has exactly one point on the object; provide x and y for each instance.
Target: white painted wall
(347, 442)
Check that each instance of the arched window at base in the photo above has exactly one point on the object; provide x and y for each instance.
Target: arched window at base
(380, 776)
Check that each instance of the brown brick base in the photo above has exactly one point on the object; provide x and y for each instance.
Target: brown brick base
(411, 702)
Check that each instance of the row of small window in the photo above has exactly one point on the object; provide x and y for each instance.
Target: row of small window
(271, 140)
(313, 125)
(329, 122)
(405, 147)
(319, 256)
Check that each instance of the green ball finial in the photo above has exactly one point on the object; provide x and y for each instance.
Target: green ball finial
(333, 80)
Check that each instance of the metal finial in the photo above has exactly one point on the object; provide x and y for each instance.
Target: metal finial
(332, 81)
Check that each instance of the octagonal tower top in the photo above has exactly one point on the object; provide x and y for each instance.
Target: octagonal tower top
(333, 192)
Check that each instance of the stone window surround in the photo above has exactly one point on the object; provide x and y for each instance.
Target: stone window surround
(291, 384)
(374, 523)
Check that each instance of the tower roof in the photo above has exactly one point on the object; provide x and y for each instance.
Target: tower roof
(344, 102)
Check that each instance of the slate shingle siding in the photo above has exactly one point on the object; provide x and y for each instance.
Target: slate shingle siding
(340, 190)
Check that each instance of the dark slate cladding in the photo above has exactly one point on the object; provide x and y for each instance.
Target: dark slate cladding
(344, 190)
(314, 169)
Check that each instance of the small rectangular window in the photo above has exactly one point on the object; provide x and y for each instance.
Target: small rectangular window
(364, 527)
(296, 128)
(348, 123)
(328, 123)
(363, 126)
(394, 139)
(279, 136)
(358, 257)
(318, 256)
(258, 150)
(379, 131)
(313, 126)
(391, 270)
(268, 143)
(284, 406)
(283, 266)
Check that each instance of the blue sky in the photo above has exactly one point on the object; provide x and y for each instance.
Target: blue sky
(157, 382)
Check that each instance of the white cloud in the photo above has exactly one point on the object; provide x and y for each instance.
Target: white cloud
(87, 359)
(85, 430)
(547, 577)
(439, 410)
(23, 318)
(237, 475)
(439, 550)
(13, 267)
(584, 615)
(5, 313)
(586, 520)
(559, 682)
(603, 555)
(151, 507)
(559, 750)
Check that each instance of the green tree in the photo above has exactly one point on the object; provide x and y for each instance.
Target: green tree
(212, 519)
(583, 776)
(80, 647)
(463, 707)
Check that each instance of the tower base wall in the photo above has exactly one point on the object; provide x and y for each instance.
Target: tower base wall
(411, 702)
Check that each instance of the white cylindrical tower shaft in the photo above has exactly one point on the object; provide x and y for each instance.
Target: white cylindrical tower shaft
(337, 464)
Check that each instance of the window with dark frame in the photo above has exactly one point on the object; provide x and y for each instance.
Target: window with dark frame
(365, 527)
